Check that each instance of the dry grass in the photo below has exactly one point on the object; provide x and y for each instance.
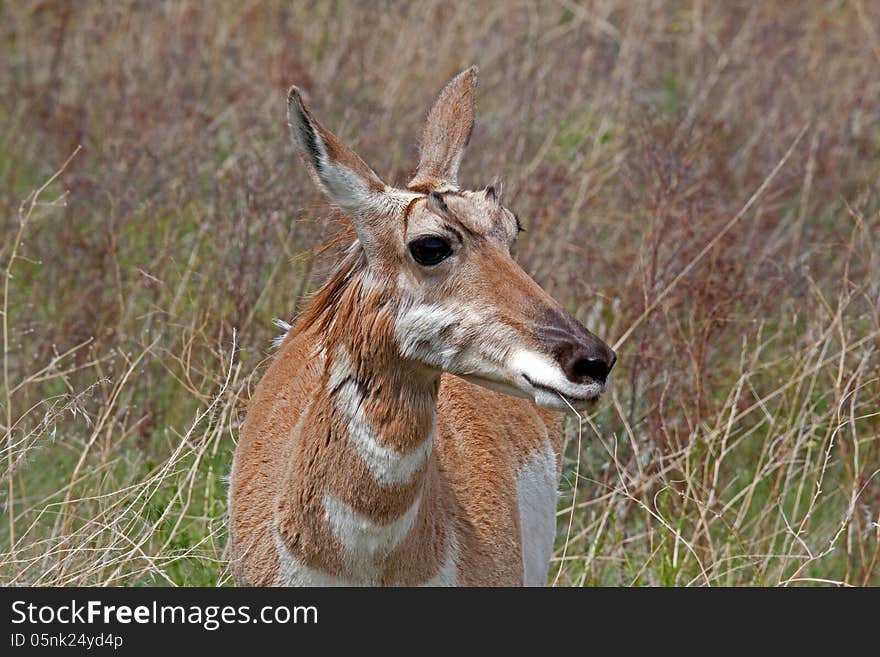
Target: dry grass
(741, 441)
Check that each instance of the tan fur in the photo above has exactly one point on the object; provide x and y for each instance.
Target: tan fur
(468, 481)
(362, 459)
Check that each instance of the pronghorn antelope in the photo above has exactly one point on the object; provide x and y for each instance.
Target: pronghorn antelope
(407, 431)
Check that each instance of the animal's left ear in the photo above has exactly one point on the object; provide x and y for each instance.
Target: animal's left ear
(446, 133)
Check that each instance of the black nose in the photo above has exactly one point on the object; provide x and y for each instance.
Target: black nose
(583, 365)
(583, 357)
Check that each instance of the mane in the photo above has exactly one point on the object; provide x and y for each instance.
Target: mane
(318, 311)
(320, 306)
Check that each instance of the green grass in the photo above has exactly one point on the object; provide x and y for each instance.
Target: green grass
(740, 442)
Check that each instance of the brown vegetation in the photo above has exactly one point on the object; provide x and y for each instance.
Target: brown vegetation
(698, 182)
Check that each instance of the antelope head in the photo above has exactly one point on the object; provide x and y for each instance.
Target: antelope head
(445, 255)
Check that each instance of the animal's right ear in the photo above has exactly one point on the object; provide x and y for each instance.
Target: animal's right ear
(343, 176)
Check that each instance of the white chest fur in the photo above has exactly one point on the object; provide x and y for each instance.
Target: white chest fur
(537, 495)
(294, 573)
(536, 492)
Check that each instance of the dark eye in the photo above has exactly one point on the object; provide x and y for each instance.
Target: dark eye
(430, 250)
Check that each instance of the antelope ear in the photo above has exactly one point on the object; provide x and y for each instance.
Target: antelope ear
(446, 133)
(337, 170)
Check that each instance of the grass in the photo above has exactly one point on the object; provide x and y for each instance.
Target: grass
(699, 186)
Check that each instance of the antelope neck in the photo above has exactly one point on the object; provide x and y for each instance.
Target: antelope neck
(386, 408)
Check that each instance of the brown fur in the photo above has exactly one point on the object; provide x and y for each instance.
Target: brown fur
(345, 380)
(466, 484)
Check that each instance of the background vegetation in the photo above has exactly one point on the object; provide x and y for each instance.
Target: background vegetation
(698, 181)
